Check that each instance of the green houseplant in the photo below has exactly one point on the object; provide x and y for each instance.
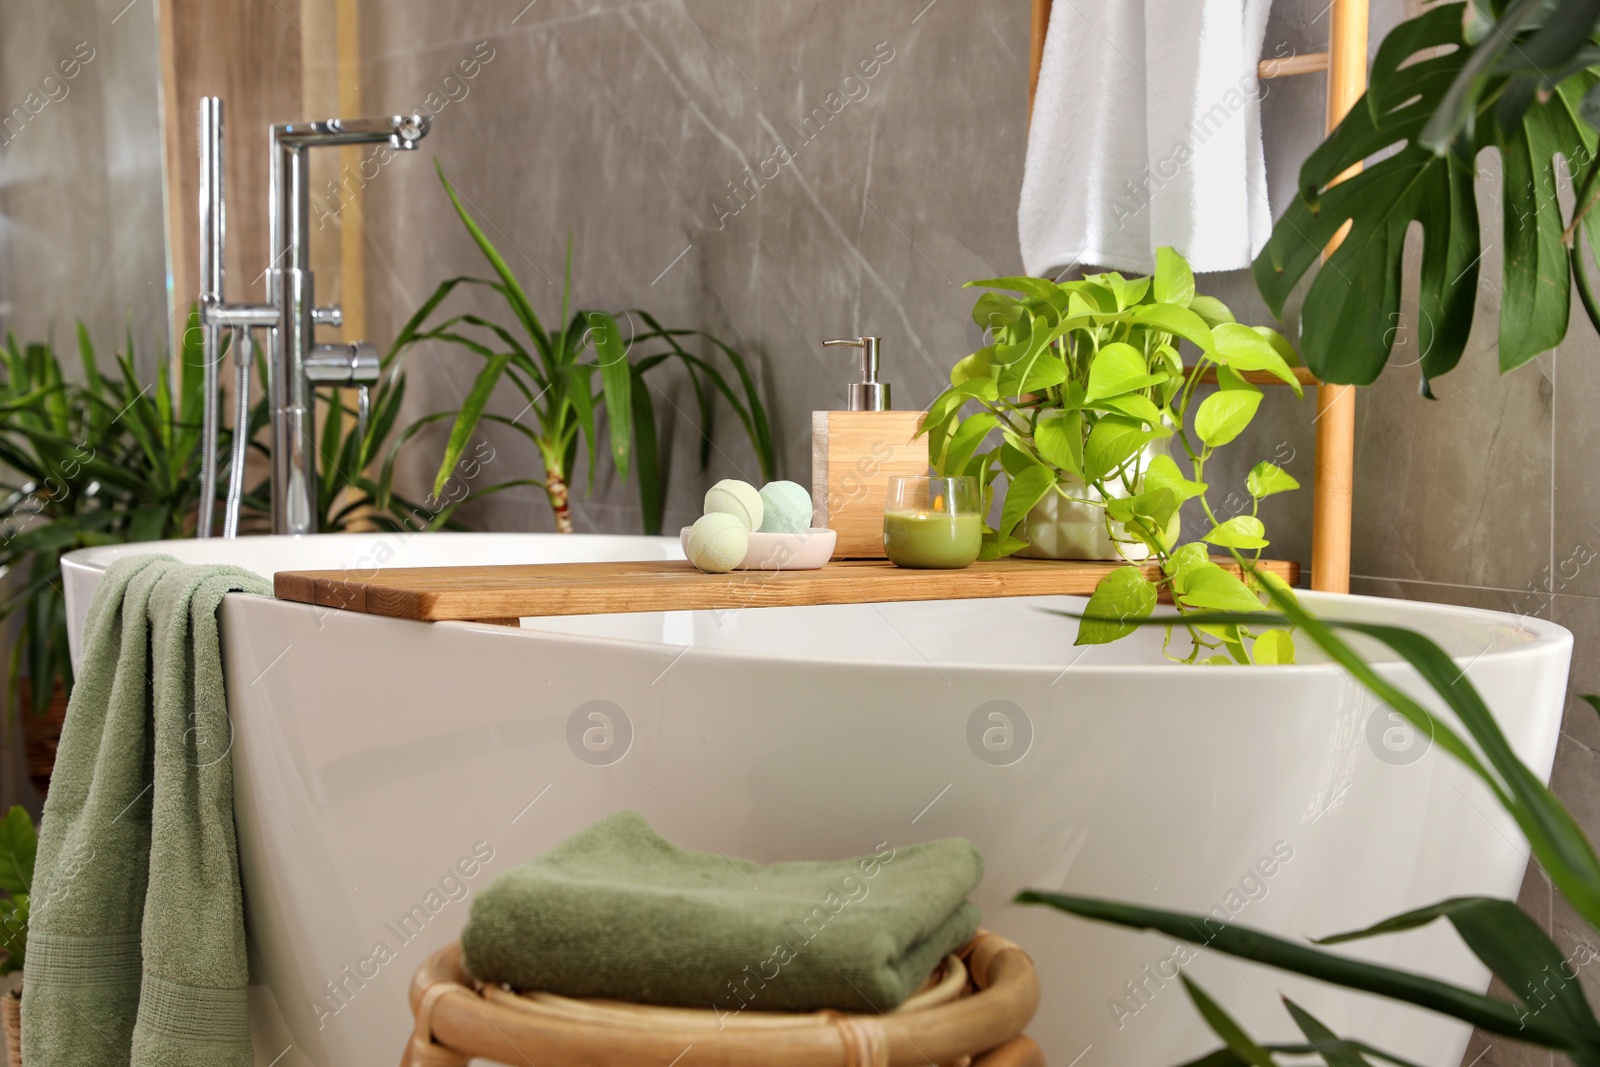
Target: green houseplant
(554, 370)
(1445, 86)
(1079, 378)
(98, 458)
(102, 460)
(18, 844)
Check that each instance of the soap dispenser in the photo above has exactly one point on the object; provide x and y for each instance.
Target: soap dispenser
(856, 451)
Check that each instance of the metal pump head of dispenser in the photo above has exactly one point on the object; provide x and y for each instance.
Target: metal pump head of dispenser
(868, 394)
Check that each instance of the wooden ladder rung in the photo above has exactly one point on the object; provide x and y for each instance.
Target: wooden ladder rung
(1289, 66)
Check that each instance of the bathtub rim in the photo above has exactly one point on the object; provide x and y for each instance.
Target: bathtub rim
(1552, 637)
(1548, 636)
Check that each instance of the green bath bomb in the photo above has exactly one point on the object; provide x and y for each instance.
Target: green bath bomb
(739, 499)
(718, 542)
(786, 508)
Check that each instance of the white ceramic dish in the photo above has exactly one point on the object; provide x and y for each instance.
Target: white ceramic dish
(780, 551)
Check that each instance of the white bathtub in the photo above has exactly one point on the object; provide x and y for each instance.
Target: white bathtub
(372, 755)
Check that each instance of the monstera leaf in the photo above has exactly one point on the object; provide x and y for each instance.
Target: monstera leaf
(1351, 316)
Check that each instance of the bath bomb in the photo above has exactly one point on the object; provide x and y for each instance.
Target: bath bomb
(739, 499)
(718, 542)
(786, 508)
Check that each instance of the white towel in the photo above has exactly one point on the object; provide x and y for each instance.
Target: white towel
(1146, 131)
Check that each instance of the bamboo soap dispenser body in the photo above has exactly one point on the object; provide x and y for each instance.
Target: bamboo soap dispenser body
(855, 452)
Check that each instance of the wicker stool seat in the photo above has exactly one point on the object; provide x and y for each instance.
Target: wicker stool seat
(970, 1013)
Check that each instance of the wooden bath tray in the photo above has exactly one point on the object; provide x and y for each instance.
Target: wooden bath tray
(505, 594)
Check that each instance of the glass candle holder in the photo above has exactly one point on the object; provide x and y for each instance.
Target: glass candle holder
(933, 523)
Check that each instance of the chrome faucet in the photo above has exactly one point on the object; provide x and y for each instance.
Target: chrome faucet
(296, 363)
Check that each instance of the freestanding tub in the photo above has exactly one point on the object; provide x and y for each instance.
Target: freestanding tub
(378, 760)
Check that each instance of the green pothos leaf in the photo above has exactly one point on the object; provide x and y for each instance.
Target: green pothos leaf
(1206, 585)
(1273, 646)
(1265, 479)
(1174, 283)
(1121, 598)
(1059, 437)
(1241, 531)
(1027, 488)
(1163, 473)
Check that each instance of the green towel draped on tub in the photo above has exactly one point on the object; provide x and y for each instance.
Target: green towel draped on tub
(619, 912)
(136, 949)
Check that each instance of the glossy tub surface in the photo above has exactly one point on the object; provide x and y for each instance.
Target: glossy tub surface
(379, 761)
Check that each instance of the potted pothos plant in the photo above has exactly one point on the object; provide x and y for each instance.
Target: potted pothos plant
(1080, 379)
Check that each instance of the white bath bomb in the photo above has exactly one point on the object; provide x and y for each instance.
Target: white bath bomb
(739, 499)
(786, 508)
(718, 542)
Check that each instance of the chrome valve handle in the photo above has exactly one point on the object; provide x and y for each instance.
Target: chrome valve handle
(356, 364)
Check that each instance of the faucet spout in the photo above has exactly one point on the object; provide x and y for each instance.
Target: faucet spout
(400, 131)
(297, 365)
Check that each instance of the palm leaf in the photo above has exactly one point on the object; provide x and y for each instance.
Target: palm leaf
(466, 423)
(651, 500)
(1512, 945)
(1325, 1041)
(520, 304)
(1485, 1012)
(1223, 1025)
(616, 383)
(752, 413)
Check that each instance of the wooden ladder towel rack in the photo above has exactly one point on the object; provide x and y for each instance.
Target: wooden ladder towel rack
(1345, 62)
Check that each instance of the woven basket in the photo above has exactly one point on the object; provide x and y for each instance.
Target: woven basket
(971, 1013)
(11, 1023)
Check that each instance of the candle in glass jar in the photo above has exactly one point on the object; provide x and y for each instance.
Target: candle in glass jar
(931, 539)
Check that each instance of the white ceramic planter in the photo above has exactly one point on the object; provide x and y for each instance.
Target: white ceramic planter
(1058, 528)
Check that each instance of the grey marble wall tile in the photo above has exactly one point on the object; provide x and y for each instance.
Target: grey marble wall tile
(1459, 489)
(652, 131)
(1576, 533)
(593, 126)
(877, 221)
(1511, 601)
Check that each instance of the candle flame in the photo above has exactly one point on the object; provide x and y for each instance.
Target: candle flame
(938, 502)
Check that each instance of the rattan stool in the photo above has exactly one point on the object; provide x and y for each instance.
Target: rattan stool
(972, 1013)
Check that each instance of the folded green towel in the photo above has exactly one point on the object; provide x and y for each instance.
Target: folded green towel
(136, 950)
(617, 911)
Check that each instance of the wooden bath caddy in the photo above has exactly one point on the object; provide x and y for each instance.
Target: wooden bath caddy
(505, 594)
